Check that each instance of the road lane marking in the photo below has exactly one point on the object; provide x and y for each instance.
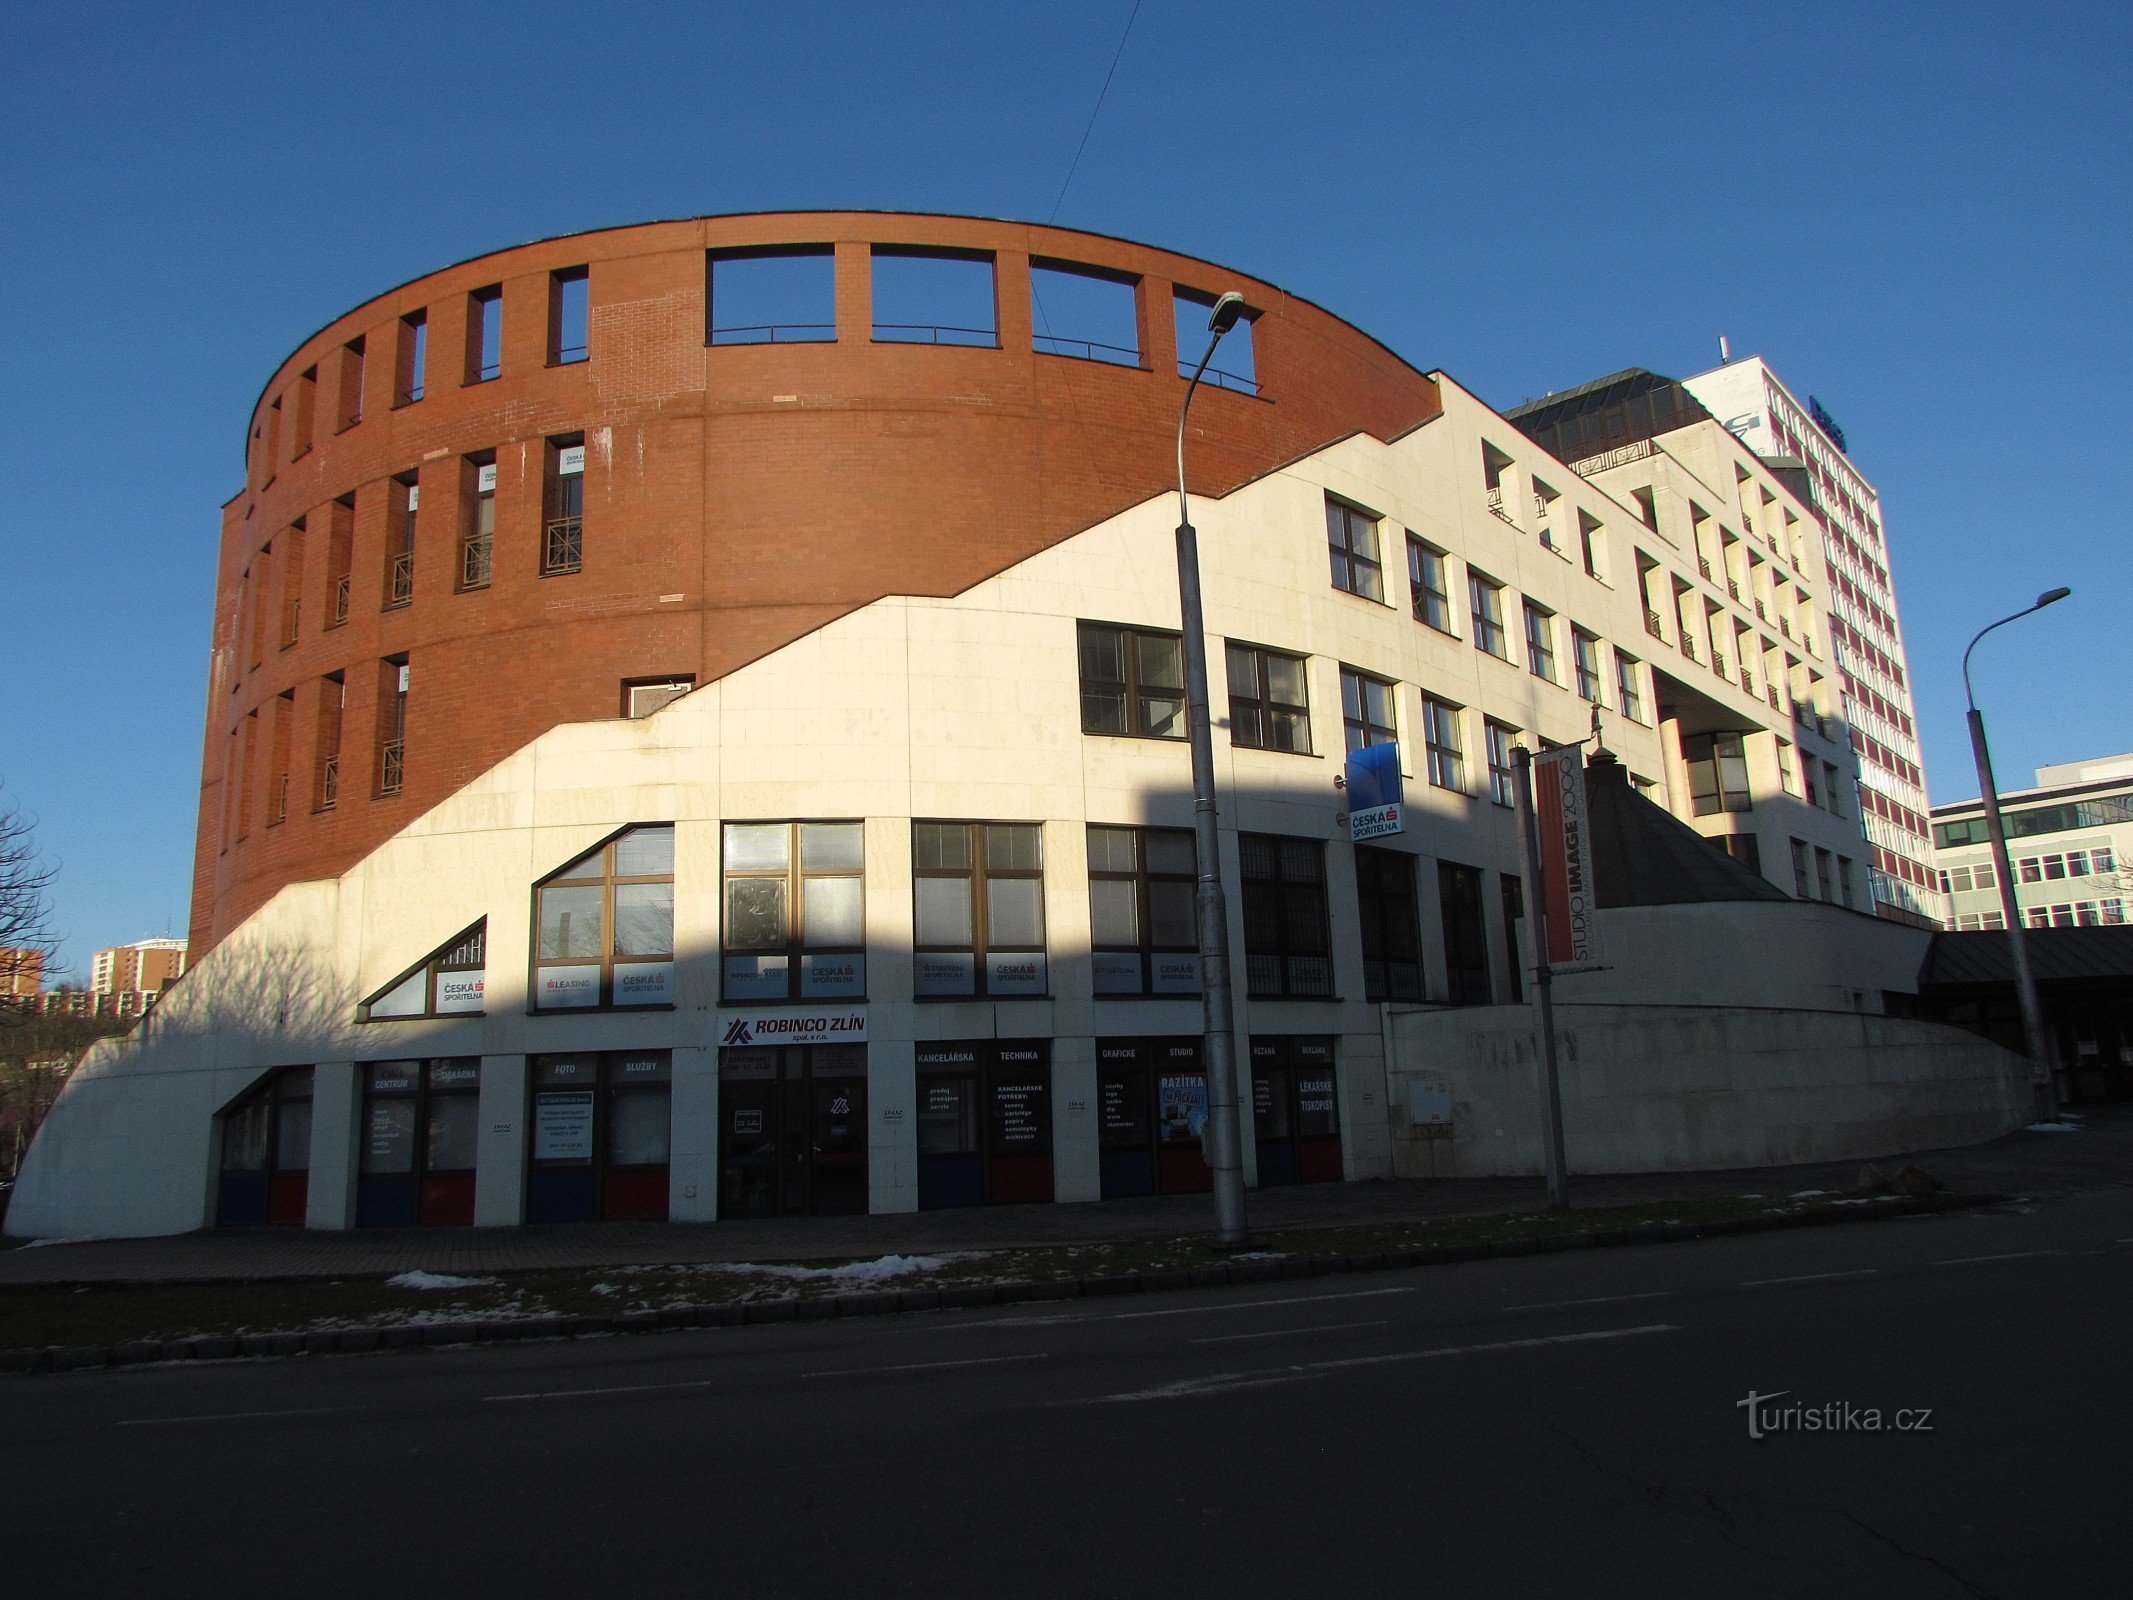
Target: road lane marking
(231, 1416)
(1220, 1382)
(620, 1388)
(2011, 1255)
(1288, 1333)
(1597, 1300)
(1810, 1277)
(1170, 1311)
(926, 1366)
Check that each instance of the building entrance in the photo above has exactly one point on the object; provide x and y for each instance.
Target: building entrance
(792, 1130)
(1295, 1111)
(1151, 1101)
(984, 1122)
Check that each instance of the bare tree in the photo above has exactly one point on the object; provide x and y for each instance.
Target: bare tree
(27, 943)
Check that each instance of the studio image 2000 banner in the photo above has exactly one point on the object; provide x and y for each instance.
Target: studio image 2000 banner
(1564, 819)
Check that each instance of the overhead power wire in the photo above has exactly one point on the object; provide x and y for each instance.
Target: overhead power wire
(1094, 110)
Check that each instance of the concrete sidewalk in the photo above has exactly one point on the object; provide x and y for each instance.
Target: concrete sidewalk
(2023, 1163)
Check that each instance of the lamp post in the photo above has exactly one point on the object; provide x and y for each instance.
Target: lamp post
(2039, 1046)
(1225, 1145)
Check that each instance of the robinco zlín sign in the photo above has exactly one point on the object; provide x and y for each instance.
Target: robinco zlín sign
(841, 1025)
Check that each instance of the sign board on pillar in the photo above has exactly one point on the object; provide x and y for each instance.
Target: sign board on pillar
(1374, 798)
(1560, 809)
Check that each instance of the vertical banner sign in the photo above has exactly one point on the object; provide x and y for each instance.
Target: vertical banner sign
(1566, 857)
(1374, 792)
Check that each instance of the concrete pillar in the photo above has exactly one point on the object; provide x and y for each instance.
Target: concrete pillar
(500, 1159)
(336, 1145)
(692, 1173)
(1077, 1162)
(892, 1126)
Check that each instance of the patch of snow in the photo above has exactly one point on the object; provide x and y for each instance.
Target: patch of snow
(875, 1271)
(2053, 1127)
(1260, 1255)
(1808, 1194)
(433, 1280)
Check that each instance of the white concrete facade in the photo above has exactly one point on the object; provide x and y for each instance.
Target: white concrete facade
(965, 708)
(2070, 840)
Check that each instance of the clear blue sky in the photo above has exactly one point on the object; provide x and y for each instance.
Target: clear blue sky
(1919, 214)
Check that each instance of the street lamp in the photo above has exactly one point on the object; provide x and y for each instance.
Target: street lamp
(1225, 1145)
(2025, 984)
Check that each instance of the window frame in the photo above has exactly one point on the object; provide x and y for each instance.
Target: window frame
(1425, 597)
(1490, 636)
(1143, 878)
(797, 946)
(465, 951)
(1281, 904)
(1130, 688)
(1264, 707)
(1498, 738)
(1445, 757)
(979, 874)
(1376, 895)
(1359, 731)
(1343, 519)
(1629, 693)
(1585, 666)
(607, 880)
(1540, 640)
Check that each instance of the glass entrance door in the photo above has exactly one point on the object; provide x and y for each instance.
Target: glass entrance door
(792, 1130)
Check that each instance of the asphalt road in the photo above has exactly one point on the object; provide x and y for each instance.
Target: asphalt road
(1555, 1425)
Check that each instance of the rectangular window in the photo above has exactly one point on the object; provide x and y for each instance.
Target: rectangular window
(1742, 847)
(1629, 694)
(305, 401)
(1086, 312)
(278, 759)
(1833, 789)
(326, 778)
(1429, 585)
(1787, 779)
(604, 925)
(1585, 656)
(1503, 773)
(1391, 924)
(1844, 881)
(292, 581)
(1822, 874)
(1352, 541)
(1466, 934)
(1485, 601)
(1366, 709)
(390, 770)
(1269, 705)
(340, 552)
(1807, 774)
(1718, 773)
(1143, 928)
(1287, 941)
(795, 911)
(1440, 732)
(932, 295)
(1235, 364)
(403, 505)
(569, 306)
(1592, 546)
(485, 334)
(477, 533)
(978, 909)
(411, 357)
(563, 515)
(771, 294)
(1132, 681)
(349, 409)
(1802, 889)
(1540, 642)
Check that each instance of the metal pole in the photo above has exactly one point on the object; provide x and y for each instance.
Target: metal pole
(1550, 1084)
(2034, 1037)
(1224, 1145)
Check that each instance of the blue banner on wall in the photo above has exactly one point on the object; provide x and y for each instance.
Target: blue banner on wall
(1374, 796)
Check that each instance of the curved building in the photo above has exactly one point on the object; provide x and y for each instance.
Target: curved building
(696, 730)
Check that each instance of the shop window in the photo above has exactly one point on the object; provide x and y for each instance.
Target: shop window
(1151, 1101)
(449, 984)
(1352, 546)
(1366, 710)
(1391, 925)
(1295, 1111)
(563, 507)
(771, 294)
(1269, 703)
(600, 1137)
(934, 295)
(1429, 585)
(978, 893)
(1132, 681)
(1143, 929)
(568, 315)
(485, 334)
(1718, 773)
(1466, 935)
(421, 1133)
(1236, 362)
(795, 923)
(604, 925)
(984, 1122)
(792, 1130)
(1086, 312)
(1287, 941)
(266, 1153)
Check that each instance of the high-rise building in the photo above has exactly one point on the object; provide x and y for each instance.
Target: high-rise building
(1865, 629)
(21, 972)
(146, 967)
(2070, 841)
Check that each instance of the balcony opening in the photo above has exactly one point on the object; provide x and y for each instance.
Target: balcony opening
(1235, 364)
(1085, 312)
(771, 294)
(932, 295)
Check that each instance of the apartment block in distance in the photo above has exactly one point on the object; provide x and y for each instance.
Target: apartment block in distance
(2070, 840)
(144, 968)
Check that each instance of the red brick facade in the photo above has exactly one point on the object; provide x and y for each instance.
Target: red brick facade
(736, 497)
